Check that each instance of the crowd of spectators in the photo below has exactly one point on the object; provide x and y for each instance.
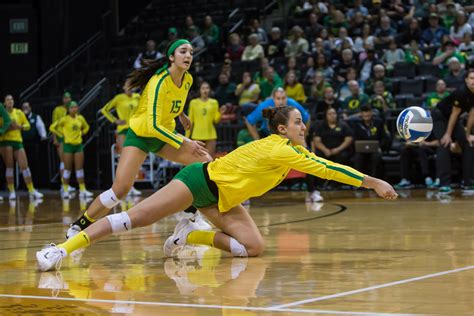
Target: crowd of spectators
(351, 66)
(340, 61)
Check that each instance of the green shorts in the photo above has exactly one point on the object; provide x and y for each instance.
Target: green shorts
(147, 144)
(123, 132)
(204, 190)
(72, 149)
(10, 143)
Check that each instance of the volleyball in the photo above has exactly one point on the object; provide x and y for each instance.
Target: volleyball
(414, 124)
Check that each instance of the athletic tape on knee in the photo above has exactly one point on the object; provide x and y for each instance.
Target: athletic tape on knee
(9, 172)
(237, 249)
(26, 172)
(120, 222)
(66, 174)
(80, 173)
(61, 166)
(109, 199)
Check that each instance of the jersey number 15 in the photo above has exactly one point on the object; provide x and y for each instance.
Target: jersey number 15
(176, 106)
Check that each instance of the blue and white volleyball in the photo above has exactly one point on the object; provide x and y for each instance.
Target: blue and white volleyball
(414, 124)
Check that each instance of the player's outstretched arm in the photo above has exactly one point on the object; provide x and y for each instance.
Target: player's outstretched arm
(383, 189)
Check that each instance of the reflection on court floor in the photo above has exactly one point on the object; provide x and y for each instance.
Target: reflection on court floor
(354, 254)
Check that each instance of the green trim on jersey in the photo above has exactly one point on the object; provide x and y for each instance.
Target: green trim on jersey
(155, 126)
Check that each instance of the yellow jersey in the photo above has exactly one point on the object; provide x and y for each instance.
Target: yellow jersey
(59, 112)
(124, 105)
(161, 102)
(71, 128)
(296, 92)
(19, 118)
(255, 168)
(204, 115)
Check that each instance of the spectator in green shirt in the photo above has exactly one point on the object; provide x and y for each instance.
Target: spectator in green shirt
(172, 35)
(190, 28)
(445, 53)
(259, 75)
(434, 97)
(413, 55)
(355, 101)
(270, 81)
(450, 15)
(381, 100)
(210, 32)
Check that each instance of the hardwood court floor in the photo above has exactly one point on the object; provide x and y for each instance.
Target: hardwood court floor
(354, 254)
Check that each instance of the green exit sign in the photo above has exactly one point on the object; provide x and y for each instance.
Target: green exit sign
(18, 26)
(18, 48)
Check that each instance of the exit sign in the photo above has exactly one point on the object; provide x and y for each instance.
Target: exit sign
(18, 48)
(18, 26)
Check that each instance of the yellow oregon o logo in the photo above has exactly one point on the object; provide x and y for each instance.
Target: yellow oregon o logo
(353, 104)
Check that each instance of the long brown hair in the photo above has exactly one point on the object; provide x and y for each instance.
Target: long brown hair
(138, 78)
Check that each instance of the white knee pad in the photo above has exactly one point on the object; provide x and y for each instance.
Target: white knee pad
(109, 199)
(9, 172)
(80, 173)
(61, 166)
(237, 249)
(120, 222)
(26, 173)
(66, 174)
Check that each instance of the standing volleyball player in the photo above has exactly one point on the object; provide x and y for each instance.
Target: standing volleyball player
(165, 84)
(447, 127)
(12, 143)
(4, 126)
(218, 188)
(71, 128)
(125, 105)
(204, 113)
(59, 112)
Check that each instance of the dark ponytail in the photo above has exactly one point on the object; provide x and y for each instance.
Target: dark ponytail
(138, 78)
(277, 116)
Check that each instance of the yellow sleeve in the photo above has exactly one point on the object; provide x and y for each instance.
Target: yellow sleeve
(107, 108)
(217, 114)
(301, 159)
(25, 124)
(155, 106)
(85, 126)
(55, 115)
(188, 132)
(56, 128)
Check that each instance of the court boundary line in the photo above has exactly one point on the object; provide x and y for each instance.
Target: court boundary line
(138, 236)
(370, 288)
(268, 309)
